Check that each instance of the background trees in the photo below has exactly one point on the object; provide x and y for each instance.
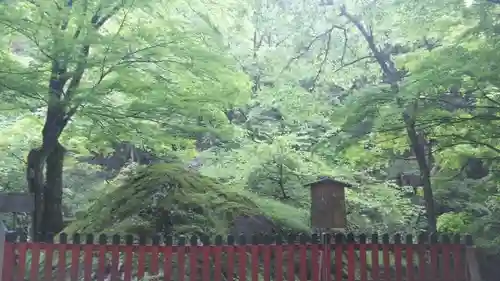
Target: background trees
(260, 97)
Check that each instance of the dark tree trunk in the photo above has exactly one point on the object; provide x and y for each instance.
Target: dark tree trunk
(418, 145)
(36, 183)
(47, 217)
(52, 219)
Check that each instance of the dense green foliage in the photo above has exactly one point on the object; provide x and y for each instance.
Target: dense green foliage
(248, 101)
(196, 205)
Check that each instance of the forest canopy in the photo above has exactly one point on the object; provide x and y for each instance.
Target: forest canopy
(236, 105)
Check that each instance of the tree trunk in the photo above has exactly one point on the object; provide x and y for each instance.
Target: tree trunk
(52, 219)
(47, 217)
(418, 147)
(35, 179)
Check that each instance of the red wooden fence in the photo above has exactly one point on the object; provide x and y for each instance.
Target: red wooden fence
(266, 258)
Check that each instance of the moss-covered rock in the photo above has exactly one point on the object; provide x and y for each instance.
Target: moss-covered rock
(180, 201)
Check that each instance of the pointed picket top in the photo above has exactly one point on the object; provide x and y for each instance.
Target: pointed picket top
(284, 239)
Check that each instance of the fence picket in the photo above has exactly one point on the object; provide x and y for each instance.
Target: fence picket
(409, 258)
(421, 252)
(181, 259)
(48, 251)
(206, 251)
(193, 259)
(3, 238)
(155, 241)
(102, 261)
(339, 259)
(242, 258)
(278, 252)
(363, 272)
(386, 262)
(290, 257)
(434, 257)
(75, 258)
(398, 250)
(88, 257)
(446, 254)
(316, 259)
(303, 266)
(7, 249)
(351, 257)
(115, 258)
(167, 260)
(267, 258)
(22, 251)
(217, 250)
(375, 257)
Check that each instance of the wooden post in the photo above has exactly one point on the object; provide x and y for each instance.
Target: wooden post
(328, 209)
(471, 260)
(15, 202)
(472, 264)
(2, 246)
(328, 214)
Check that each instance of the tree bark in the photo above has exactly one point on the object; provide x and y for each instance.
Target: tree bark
(52, 218)
(418, 147)
(47, 217)
(36, 183)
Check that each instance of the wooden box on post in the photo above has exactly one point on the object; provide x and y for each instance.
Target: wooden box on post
(13, 202)
(328, 210)
(16, 202)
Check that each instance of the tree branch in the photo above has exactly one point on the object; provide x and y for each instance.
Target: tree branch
(308, 47)
(323, 62)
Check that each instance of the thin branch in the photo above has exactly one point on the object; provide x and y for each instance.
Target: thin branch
(108, 48)
(382, 59)
(102, 20)
(352, 63)
(323, 62)
(485, 95)
(307, 48)
(473, 141)
(96, 22)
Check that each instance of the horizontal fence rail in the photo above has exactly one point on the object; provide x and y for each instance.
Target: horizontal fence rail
(266, 258)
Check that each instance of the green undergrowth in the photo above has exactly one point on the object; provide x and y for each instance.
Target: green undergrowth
(195, 204)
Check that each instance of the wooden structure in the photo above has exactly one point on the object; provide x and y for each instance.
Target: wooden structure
(328, 210)
(351, 257)
(16, 202)
(13, 202)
